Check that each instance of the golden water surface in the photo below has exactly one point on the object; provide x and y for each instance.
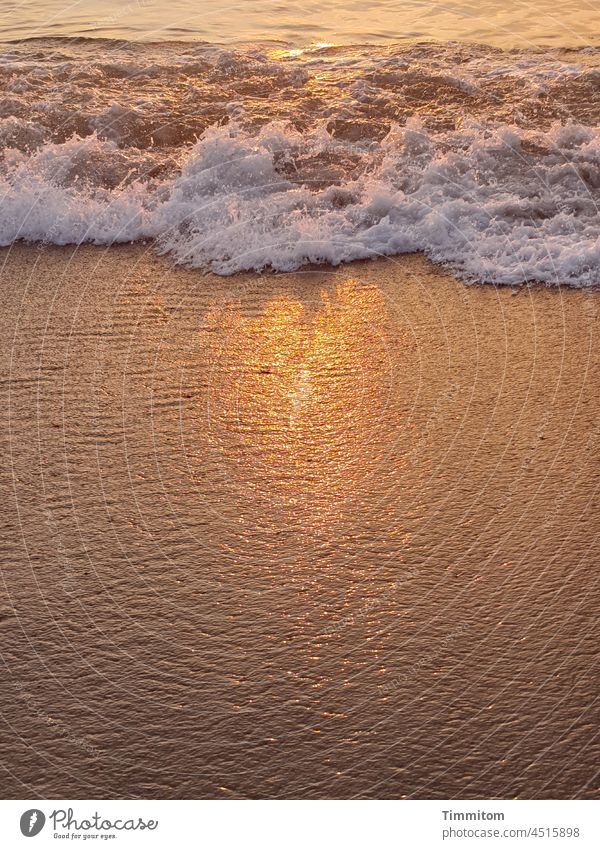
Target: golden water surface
(542, 22)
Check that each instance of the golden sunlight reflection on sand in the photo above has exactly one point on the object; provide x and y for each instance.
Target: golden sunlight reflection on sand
(300, 394)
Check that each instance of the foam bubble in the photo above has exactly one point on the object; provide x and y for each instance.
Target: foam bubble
(499, 205)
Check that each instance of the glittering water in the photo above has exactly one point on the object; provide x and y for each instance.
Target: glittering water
(570, 23)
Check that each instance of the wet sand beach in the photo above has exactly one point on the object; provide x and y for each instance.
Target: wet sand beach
(325, 534)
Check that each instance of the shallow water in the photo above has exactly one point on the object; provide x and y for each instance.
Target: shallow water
(277, 158)
(327, 534)
(521, 24)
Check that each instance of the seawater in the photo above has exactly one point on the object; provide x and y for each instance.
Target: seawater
(233, 159)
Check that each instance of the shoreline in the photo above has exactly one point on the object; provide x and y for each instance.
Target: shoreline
(414, 262)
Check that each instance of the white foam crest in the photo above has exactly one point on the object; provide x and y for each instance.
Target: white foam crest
(498, 203)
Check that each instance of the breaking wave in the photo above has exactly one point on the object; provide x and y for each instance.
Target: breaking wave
(484, 160)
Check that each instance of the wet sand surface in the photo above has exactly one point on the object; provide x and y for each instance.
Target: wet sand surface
(329, 534)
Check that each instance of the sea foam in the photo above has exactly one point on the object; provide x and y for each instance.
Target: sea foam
(445, 150)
